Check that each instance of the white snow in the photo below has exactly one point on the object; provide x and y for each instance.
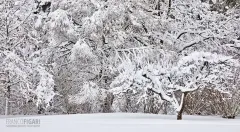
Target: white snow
(38, 23)
(122, 122)
(44, 89)
(80, 48)
(89, 92)
(60, 22)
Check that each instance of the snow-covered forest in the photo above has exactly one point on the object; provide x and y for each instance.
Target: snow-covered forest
(105, 56)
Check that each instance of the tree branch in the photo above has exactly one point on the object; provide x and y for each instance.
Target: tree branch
(193, 43)
(162, 98)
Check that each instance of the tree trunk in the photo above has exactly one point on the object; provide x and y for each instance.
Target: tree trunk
(169, 7)
(6, 106)
(182, 105)
(8, 97)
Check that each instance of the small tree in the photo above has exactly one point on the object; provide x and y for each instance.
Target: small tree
(202, 70)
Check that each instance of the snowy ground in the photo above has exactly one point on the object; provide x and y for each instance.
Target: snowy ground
(126, 123)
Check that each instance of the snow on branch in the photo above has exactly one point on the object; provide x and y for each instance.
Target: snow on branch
(191, 73)
(44, 90)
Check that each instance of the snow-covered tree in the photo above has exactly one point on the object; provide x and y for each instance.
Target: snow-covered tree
(196, 71)
(142, 51)
(17, 64)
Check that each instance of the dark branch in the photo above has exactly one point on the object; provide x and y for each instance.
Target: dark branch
(140, 41)
(157, 94)
(235, 47)
(192, 44)
(181, 34)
